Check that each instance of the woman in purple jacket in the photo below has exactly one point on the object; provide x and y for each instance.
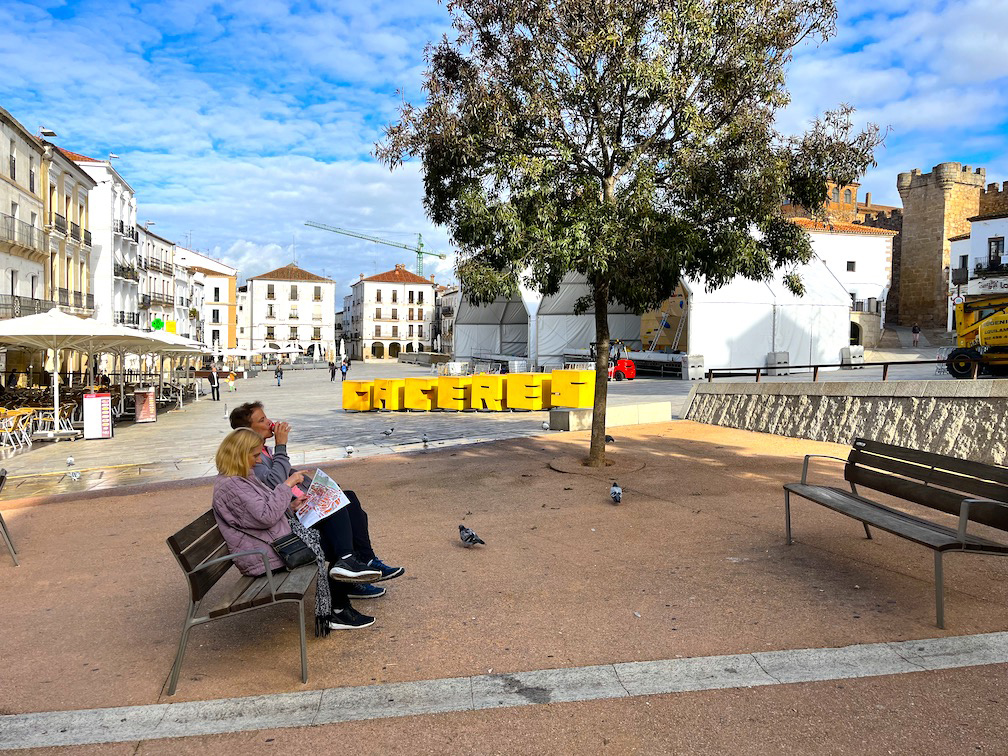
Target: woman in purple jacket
(251, 515)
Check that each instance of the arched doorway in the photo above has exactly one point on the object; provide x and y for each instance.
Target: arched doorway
(378, 350)
(409, 347)
(393, 350)
(855, 334)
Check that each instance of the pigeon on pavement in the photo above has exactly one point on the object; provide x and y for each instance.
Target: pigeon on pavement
(469, 538)
(388, 432)
(609, 439)
(425, 440)
(349, 450)
(545, 425)
(70, 461)
(616, 493)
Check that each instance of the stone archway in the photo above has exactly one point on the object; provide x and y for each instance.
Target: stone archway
(409, 348)
(393, 350)
(855, 334)
(378, 350)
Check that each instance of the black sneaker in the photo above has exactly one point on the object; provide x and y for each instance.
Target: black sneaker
(349, 619)
(387, 573)
(353, 569)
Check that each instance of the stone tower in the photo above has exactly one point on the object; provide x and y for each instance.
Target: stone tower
(936, 206)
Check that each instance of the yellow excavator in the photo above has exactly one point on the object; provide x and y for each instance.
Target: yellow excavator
(981, 337)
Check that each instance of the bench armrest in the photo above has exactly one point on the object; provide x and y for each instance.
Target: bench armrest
(804, 470)
(964, 510)
(230, 557)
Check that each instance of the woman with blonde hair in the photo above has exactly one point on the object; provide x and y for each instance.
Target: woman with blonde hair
(251, 515)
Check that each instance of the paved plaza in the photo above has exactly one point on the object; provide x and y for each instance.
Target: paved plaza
(182, 443)
(677, 622)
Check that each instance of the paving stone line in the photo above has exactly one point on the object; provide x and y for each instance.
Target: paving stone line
(491, 691)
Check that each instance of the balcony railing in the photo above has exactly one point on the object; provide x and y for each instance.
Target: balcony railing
(118, 226)
(64, 297)
(59, 222)
(89, 301)
(141, 263)
(78, 299)
(127, 318)
(75, 230)
(145, 301)
(990, 268)
(16, 307)
(20, 233)
(125, 271)
(87, 238)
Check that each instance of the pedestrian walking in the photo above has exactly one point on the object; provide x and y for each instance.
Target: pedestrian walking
(916, 334)
(278, 373)
(343, 369)
(332, 370)
(231, 380)
(214, 383)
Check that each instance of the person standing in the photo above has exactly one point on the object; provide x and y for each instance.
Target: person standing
(332, 370)
(343, 369)
(916, 335)
(278, 373)
(214, 383)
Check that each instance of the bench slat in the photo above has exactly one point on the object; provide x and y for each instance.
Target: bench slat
(202, 549)
(297, 582)
(894, 521)
(192, 532)
(241, 593)
(201, 582)
(994, 473)
(933, 476)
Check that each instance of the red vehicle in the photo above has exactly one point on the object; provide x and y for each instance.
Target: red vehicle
(621, 367)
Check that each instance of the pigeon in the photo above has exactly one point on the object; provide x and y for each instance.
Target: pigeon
(75, 475)
(70, 461)
(388, 432)
(469, 538)
(349, 450)
(609, 439)
(425, 440)
(616, 493)
(545, 425)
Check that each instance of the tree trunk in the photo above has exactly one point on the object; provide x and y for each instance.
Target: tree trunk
(596, 456)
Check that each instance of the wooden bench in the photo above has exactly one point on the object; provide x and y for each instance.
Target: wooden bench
(971, 491)
(201, 552)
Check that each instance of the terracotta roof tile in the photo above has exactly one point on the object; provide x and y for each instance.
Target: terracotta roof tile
(400, 276)
(77, 157)
(841, 228)
(960, 237)
(290, 272)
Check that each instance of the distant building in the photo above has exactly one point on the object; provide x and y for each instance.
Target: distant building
(290, 306)
(979, 260)
(391, 312)
(219, 311)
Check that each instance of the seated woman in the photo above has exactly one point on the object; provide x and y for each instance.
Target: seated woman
(251, 515)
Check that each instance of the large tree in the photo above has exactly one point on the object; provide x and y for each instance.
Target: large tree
(631, 141)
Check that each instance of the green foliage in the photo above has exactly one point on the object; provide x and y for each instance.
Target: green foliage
(157, 324)
(631, 142)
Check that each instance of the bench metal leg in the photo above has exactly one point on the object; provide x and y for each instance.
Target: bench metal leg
(787, 515)
(7, 539)
(866, 531)
(177, 667)
(939, 591)
(304, 645)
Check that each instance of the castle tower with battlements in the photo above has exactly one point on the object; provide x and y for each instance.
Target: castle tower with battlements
(936, 206)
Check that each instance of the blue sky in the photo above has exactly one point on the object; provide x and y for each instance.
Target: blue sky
(236, 123)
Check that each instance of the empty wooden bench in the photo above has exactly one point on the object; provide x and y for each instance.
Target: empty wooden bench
(201, 552)
(939, 485)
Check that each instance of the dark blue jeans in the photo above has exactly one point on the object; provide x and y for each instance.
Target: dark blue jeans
(341, 533)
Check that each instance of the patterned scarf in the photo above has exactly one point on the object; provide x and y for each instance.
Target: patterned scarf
(323, 596)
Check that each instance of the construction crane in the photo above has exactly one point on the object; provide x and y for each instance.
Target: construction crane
(419, 248)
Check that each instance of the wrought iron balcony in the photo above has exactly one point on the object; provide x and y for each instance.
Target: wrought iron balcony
(127, 272)
(118, 226)
(20, 233)
(16, 307)
(59, 223)
(89, 301)
(78, 299)
(145, 301)
(87, 238)
(64, 297)
(991, 268)
(75, 230)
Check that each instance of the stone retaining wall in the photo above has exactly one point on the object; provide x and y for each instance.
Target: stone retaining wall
(967, 419)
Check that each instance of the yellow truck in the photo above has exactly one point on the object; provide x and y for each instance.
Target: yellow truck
(981, 337)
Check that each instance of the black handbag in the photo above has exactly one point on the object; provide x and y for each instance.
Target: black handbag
(292, 550)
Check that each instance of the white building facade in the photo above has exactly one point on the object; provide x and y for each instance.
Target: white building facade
(115, 243)
(23, 245)
(219, 307)
(979, 263)
(391, 312)
(290, 307)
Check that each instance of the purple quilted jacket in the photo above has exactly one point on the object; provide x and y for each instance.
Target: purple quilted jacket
(244, 506)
